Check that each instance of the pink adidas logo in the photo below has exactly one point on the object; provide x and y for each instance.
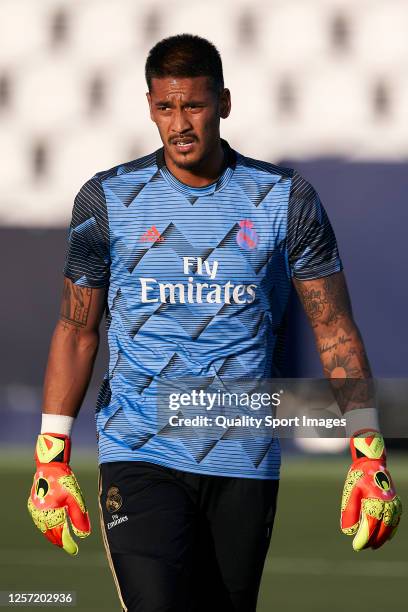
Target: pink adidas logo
(152, 235)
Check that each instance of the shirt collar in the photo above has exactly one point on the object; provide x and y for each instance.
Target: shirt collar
(223, 179)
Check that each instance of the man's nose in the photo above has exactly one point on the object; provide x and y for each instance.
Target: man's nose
(180, 122)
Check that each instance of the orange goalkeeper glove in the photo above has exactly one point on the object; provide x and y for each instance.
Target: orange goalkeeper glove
(55, 494)
(370, 507)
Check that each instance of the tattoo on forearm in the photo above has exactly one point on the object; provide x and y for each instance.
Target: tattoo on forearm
(346, 365)
(75, 304)
(327, 304)
(341, 367)
(343, 354)
(353, 393)
(324, 348)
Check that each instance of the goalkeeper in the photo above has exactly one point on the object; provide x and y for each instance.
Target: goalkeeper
(191, 251)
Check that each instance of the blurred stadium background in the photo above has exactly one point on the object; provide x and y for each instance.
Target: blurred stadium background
(319, 85)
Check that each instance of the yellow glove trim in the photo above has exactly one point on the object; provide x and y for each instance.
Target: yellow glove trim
(351, 479)
(373, 507)
(70, 483)
(392, 512)
(46, 519)
(350, 530)
(80, 534)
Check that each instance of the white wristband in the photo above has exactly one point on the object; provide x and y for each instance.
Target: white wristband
(56, 423)
(361, 418)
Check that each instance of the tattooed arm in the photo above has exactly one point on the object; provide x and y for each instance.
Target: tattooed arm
(73, 349)
(327, 305)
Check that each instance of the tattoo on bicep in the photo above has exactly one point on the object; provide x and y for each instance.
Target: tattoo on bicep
(75, 304)
(327, 304)
(336, 297)
(312, 302)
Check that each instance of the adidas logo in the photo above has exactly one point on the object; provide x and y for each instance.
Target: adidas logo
(152, 235)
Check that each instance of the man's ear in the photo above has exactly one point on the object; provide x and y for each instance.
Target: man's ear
(149, 101)
(225, 103)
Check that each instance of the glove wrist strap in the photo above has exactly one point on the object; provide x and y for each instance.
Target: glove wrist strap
(367, 444)
(52, 448)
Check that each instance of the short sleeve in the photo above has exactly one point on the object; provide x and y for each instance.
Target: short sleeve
(87, 261)
(311, 244)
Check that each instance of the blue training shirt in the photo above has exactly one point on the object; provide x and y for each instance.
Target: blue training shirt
(198, 285)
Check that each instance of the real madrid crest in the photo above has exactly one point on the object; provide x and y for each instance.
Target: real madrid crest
(247, 238)
(113, 500)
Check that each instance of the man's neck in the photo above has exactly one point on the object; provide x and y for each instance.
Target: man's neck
(208, 172)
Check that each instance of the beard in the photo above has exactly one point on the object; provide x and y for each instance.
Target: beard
(189, 161)
(184, 163)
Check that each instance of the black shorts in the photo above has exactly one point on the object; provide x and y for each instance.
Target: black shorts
(184, 542)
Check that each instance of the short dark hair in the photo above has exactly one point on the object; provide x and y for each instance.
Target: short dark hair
(184, 55)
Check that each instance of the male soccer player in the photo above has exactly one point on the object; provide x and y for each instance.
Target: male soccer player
(192, 251)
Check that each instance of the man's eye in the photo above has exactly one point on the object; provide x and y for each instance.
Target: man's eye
(163, 108)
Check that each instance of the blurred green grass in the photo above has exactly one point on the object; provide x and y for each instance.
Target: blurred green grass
(311, 565)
